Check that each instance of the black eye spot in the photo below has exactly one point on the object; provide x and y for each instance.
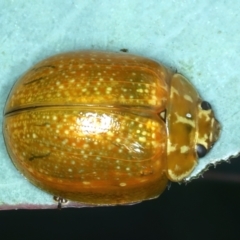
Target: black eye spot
(201, 150)
(206, 105)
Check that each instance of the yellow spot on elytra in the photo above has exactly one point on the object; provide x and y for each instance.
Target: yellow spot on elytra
(65, 141)
(86, 183)
(142, 139)
(109, 133)
(122, 184)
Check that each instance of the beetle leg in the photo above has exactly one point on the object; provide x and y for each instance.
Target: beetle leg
(60, 201)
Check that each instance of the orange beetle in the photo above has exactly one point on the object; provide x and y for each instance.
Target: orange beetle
(106, 128)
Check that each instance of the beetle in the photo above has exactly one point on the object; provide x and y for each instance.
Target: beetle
(105, 128)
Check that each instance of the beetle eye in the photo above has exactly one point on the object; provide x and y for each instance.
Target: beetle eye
(206, 105)
(201, 150)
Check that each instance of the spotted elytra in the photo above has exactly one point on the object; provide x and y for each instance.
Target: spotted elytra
(106, 128)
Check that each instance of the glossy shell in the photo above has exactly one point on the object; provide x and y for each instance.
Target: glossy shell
(105, 128)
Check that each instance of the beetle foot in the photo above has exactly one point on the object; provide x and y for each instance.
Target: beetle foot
(60, 201)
